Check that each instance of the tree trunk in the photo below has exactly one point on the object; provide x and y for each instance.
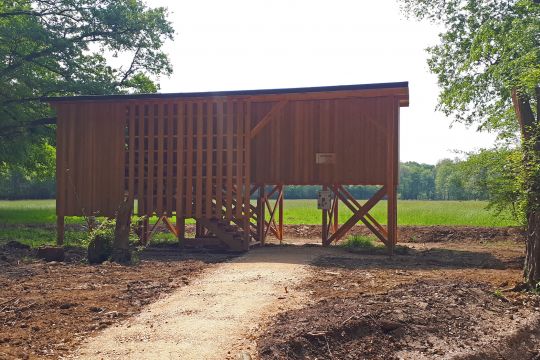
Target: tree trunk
(121, 252)
(530, 133)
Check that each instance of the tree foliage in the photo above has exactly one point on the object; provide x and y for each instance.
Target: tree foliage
(488, 68)
(487, 49)
(70, 47)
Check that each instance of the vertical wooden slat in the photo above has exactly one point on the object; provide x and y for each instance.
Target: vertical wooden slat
(324, 223)
(229, 187)
(60, 174)
(209, 156)
(189, 161)
(160, 137)
(71, 171)
(60, 160)
(170, 158)
(219, 157)
(247, 159)
(198, 175)
(180, 196)
(131, 145)
(150, 189)
(239, 157)
(139, 114)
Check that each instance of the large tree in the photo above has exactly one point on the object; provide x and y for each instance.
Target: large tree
(488, 68)
(70, 47)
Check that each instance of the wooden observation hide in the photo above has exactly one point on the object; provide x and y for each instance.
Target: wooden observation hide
(204, 155)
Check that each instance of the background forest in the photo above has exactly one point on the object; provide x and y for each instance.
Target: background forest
(485, 175)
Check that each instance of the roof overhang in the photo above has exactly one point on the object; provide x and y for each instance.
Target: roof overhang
(400, 90)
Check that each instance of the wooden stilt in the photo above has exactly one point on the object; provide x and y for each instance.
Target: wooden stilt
(246, 232)
(335, 215)
(144, 231)
(392, 176)
(180, 229)
(280, 215)
(325, 224)
(261, 214)
(198, 229)
(60, 230)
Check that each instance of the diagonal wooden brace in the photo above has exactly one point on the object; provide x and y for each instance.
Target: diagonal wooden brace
(358, 215)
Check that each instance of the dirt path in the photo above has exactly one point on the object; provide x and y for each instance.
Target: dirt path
(216, 315)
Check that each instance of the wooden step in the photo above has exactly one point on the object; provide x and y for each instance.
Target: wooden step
(231, 235)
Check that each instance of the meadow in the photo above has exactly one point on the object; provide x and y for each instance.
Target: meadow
(410, 212)
(296, 212)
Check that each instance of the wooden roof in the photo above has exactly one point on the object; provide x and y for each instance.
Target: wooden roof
(398, 89)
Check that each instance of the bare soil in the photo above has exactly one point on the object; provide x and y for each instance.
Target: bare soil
(450, 297)
(438, 301)
(419, 234)
(47, 309)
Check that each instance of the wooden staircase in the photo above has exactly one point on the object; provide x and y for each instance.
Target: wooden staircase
(231, 235)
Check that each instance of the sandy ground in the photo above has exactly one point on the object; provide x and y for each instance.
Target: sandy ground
(216, 316)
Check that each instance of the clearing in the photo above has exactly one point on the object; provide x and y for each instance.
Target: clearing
(451, 298)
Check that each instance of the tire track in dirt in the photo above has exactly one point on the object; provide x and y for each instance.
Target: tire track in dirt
(216, 316)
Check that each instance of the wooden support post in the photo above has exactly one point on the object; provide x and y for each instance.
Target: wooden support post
(260, 214)
(247, 234)
(335, 214)
(280, 214)
(392, 177)
(144, 231)
(199, 231)
(325, 224)
(392, 217)
(60, 230)
(180, 230)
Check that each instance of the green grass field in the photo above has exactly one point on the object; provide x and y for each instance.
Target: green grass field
(472, 213)
(410, 212)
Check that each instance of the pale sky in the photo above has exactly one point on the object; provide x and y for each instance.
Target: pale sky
(255, 44)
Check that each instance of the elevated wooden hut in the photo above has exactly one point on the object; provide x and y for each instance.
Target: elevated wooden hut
(204, 155)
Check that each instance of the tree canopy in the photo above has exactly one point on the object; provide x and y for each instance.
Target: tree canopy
(488, 68)
(487, 49)
(68, 47)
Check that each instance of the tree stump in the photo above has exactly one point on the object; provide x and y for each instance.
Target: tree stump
(121, 252)
(51, 253)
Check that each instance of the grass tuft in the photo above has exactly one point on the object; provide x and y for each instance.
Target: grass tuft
(360, 242)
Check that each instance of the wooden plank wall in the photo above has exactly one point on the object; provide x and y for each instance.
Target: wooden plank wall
(354, 129)
(89, 159)
(189, 157)
(195, 157)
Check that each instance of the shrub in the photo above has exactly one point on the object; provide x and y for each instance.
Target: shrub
(100, 241)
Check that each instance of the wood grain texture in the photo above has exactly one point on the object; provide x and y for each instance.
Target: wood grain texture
(198, 157)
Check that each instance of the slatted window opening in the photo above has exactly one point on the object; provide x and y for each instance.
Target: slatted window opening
(189, 158)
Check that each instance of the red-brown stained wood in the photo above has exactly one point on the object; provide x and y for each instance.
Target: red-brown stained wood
(229, 167)
(182, 155)
(180, 119)
(189, 162)
(169, 154)
(219, 156)
(198, 174)
(160, 147)
(209, 157)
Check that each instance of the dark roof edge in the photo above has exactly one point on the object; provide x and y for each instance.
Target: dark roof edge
(230, 93)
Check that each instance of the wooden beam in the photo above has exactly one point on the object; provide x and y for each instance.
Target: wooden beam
(280, 215)
(173, 229)
(325, 224)
(60, 230)
(180, 229)
(267, 118)
(368, 215)
(358, 215)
